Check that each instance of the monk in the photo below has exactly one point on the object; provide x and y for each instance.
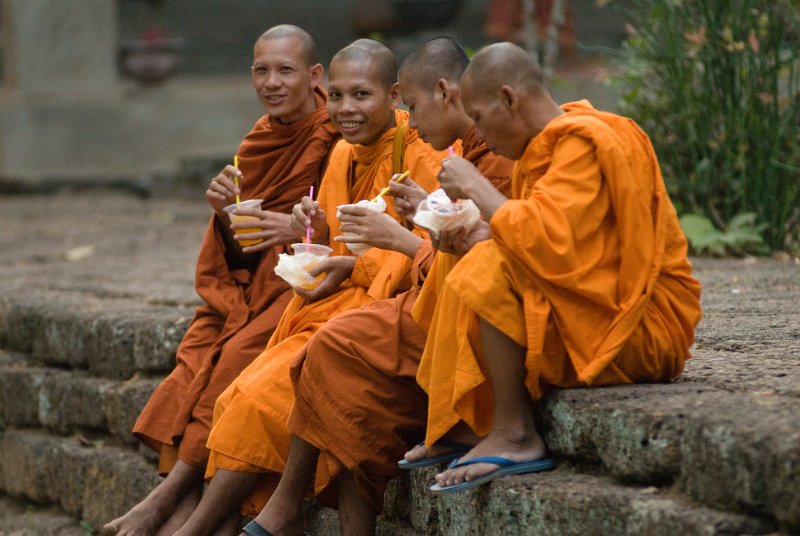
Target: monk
(357, 404)
(249, 441)
(282, 156)
(583, 280)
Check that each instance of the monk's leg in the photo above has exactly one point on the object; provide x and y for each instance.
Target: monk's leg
(182, 512)
(158, 507)
(222, 499)
(514, 434)
(356, 515)
(283, 513)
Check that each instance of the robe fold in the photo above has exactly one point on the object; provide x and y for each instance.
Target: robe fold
(586, 269)
(242, 306)
(356, 396)
(249, 432)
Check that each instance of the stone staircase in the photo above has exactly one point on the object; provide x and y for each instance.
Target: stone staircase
(717, 452)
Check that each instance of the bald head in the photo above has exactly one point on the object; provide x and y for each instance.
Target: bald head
(505, 64)
(437, 58)
(368, 50)
(308, 47)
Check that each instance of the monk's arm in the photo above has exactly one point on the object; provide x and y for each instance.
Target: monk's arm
(378, 230)
(462, 180)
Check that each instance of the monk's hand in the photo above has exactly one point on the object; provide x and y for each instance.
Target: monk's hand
(460, 178)
(305, 213)
(274, 229)
(376, 229)
(407, 197)
(222, 190)
(336, 269)
(459, 241)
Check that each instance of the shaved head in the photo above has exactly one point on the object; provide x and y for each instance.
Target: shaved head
(505, 64)
(437, 58)
(368, 50)
(287, 31)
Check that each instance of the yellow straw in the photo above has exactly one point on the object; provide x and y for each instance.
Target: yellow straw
(400, 179)
(236, 177)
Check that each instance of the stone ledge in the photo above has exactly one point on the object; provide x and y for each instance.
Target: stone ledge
(61, 471)
(115, 338)
(66, 402)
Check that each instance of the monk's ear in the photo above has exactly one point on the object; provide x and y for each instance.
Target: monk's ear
(317, 71)
(394, 95)
(445, 92)
(509, 97)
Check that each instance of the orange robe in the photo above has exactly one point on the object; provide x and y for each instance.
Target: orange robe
(356, 397)
(242, 306)
(586, 269)
(249, 432)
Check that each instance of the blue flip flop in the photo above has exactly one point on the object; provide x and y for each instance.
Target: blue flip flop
(255, 529)
(507, 467)
(456, 451)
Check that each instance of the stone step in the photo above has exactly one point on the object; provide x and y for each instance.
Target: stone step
(69, 401)
(22, 518)
(110, 337)
(72, 475)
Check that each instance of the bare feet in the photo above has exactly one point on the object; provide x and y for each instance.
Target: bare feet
(144, 519)
(526, 448)
(460, 433)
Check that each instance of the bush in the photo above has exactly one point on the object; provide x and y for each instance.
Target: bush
(716, 84)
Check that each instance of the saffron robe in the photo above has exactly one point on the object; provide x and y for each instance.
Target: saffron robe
(242, 306)
(249, 432)
(356, 396)
(586, 269)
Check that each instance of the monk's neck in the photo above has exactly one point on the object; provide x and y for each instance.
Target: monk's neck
(542, 113)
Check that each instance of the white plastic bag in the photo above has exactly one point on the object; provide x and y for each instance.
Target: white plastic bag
(439, 213)
(294, 268)
(378, 206)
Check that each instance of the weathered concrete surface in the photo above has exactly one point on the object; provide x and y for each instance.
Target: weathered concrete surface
(97, 312)
(20, 518)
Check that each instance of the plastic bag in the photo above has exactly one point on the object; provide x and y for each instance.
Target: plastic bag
(439, 213)
(376, 206)
(294, 268)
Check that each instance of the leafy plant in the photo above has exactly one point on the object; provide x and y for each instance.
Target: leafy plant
(716, 84)
(742, 235)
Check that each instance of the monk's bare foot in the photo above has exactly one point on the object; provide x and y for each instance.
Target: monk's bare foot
(519, 448)
(460, 433)
(141, 520)
(281, 517)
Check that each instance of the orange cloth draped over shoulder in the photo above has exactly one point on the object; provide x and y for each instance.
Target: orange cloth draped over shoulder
(356, 398)
(249, 432)
(242, 306)
(587, 269)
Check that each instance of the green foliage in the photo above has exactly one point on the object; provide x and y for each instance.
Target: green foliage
(742, 235)
(88, 530)
(716, 84)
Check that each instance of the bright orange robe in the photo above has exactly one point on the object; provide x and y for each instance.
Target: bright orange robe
(356, 395)
(242, 305)
(249, 432)
(586, 269)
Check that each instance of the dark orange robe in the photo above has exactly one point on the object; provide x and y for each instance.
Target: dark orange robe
(249, 432)
(586, 269)
(356, 395)
(242, 306)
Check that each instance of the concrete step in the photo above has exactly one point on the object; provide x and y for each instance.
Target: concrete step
(22, 518)
(73, 474)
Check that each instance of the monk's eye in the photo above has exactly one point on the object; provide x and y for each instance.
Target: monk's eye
(334, 95)
(259, 70)
(361, 94)
(286, 70)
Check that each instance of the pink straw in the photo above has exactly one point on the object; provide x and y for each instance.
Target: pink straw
(308, 227)
(450, 151)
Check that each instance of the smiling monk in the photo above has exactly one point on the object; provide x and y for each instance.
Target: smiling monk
(358, 406)
(584, 280)
(280, 158)
(249, 441)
